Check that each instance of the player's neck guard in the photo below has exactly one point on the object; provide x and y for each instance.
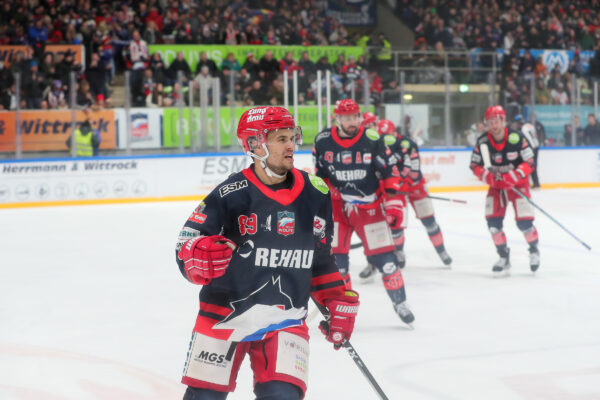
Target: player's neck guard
(263, 163)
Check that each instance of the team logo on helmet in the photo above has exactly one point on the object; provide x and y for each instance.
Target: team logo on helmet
(386, 127)
(257, 122)
(346, 107)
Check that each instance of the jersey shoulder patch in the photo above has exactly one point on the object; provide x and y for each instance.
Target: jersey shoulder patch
(371, 134)
(405, 143)
(234, 182)
(318, 183)
(389, 139)
(323, 134)
(514, 138)
(483, 138)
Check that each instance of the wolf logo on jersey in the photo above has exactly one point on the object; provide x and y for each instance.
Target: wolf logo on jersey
(285, 223)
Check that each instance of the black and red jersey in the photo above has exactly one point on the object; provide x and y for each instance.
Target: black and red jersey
(283, 254)
(406, 152)
(353, 166)
(506, 155)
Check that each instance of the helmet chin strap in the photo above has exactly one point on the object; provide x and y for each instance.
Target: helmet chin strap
(263, 162)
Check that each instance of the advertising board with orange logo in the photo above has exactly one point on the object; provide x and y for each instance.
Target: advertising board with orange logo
(8, 53)
(49, 130)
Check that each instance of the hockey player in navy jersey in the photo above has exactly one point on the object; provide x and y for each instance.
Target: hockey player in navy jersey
(413, 186)
(352, 161)
(260, 243)
(510, 160)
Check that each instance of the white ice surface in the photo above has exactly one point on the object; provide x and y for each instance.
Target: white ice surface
(92, 306)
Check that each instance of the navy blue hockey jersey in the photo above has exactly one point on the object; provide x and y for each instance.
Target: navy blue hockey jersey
(505, 156)
(406, 152)
(283, 254)
(353, 166)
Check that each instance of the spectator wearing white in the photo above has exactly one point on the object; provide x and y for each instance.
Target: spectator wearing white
(138, 58)
(559, 96)
(55, 95)
(203, 77)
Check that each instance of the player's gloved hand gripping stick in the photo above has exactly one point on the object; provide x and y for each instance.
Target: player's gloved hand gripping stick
(509, 178)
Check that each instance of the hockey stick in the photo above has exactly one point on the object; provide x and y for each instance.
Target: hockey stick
(448, 199)
(437, 198)
(485, 154)
(363, 368)
(357, 360)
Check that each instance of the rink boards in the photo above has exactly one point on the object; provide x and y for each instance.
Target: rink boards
(47, 182)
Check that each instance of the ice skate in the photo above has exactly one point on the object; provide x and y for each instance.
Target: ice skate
(404, 313)
(534, 259)
(400, 258)
(502, 267)
(446, 259)
(367, 274)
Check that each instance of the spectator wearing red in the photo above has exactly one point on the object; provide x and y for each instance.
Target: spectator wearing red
(288, 64)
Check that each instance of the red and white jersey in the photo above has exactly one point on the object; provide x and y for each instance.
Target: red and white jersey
(138, 52)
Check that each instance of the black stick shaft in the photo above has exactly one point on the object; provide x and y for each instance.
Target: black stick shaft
(365, 371)
(447, 199)
(517, 191)
(355, 357)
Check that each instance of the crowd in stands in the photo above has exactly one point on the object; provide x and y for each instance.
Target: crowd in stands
(549, 86)
(529, 24)
(513, 26)
(255, 81)
(116, 36)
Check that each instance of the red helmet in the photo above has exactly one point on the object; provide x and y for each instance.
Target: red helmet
(258, 121)
(494, 112)
(346, 107)
(369, 118)
(386, 127)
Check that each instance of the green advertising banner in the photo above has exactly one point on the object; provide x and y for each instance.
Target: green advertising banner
(307, 118)
(218, 52)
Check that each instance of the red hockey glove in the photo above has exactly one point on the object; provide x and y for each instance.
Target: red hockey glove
(489, 178)
(406, 186)
(517, 176)
(342, 310)
(206, 257)
(394, 211)
(391, 185)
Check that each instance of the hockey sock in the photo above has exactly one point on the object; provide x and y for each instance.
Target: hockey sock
(394, 286)
(193, 393)
(435, 233)
(398, 237)
(499, 239)
(530, 233)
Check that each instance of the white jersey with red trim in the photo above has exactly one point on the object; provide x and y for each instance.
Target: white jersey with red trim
(283, 254)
